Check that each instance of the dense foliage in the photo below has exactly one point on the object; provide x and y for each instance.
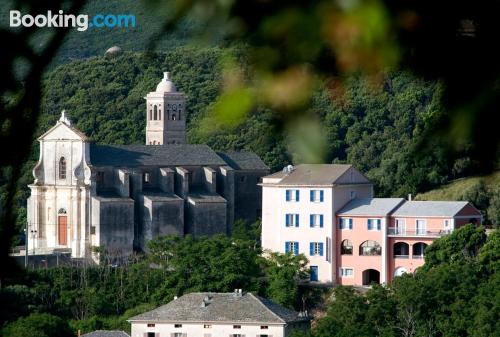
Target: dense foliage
(103, 296)
(456, 293)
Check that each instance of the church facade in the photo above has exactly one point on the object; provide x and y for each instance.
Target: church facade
(118, 197)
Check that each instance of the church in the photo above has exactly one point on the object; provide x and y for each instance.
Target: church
(118, 197)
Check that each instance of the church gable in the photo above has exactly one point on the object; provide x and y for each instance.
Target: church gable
(63, 131)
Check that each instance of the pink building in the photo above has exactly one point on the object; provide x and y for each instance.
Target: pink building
(328, 213)
(381, 238)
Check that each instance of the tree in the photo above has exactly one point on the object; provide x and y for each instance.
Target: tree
(284, 272)
(40, 325)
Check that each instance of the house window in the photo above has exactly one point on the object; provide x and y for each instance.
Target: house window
(92, 230)
(264, 327)
(207, 326)
(316, 220)
(151, 334)
(176, 334)
(236, 326)
(419, 250)
(292, 247)
(292, 195)
(236, 335)
(316, 196)
(177, 325)
(401, 250)
(345, 223)
(291, 220)
(62, 168)
(370, 248)
(420, 227)
(146, 177)
(346, 272)
(316, 248)
(346, 247)
(373, 224)
(150, 325)
(400, 227)
(353, 195)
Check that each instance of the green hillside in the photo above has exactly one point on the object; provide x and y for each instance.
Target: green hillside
(483, 191)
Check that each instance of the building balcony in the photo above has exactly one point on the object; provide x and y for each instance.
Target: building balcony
(393, 231)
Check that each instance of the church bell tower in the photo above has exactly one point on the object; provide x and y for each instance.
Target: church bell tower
(165, 114)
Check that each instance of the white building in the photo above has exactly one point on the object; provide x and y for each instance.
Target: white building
(298, 211)
(218, 315)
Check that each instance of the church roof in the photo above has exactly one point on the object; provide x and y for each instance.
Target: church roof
(153, 155)
(243, 160)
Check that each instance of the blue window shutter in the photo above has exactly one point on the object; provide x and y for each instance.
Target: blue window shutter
(311, 248)
(296, 220)
(321, 220)
(311, 220)
(341, 223)
(321, 249)
(287, 220)
(369, 224)
(296, 248)
(287, 247)
(378, 224)
(311, 195)
(321, 196)
(287, 195)
(350, 223)
(297, 195)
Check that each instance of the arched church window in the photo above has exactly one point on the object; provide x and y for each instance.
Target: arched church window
(174, 117)
(174, 107)
(159, 114)
(62, 168)
(155, 112)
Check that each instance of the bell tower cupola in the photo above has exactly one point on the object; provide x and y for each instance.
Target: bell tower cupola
(165, 114)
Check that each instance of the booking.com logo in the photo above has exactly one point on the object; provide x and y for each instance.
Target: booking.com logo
(80, 21)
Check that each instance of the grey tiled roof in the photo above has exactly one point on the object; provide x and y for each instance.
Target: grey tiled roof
(371, 206)
(106, 333)
(430, 208)
(312, 174)
(221, 307)
(243, 160)
(153, 155)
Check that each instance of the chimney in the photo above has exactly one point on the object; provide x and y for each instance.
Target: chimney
(409, 197)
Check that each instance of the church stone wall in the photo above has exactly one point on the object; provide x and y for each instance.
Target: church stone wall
(205, 218)
(113, 219)
(248, 195)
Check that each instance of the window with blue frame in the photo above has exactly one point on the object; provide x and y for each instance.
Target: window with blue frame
(313, 272)
(345, 223)
(316, 248)
(374, 224)
(316, 196)
(292, 246)
(316, 220)
(292, 195)
(291, 220)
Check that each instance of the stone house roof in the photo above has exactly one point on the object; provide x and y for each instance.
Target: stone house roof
(106, 333)
(369, 206)
(314, 174)
(221, 307)
(431, 208)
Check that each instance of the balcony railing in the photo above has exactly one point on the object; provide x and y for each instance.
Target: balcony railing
(401, 256)
(419, 232)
